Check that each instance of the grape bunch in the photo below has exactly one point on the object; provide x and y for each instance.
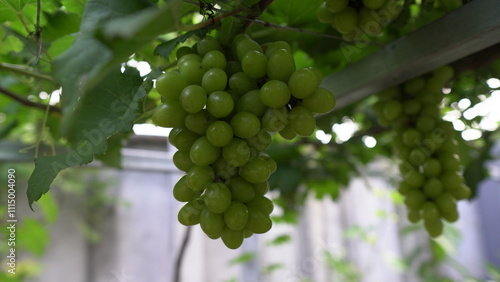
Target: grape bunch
(432, 179)
(354, 18)
(223, 104)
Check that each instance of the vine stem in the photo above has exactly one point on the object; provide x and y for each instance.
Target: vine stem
(24, 70)
(29, 103)
(180, 256)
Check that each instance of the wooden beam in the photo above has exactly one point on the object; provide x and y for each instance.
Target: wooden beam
(463, 32)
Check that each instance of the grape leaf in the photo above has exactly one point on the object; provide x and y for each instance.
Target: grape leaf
(105, 110)
(113, 156)
(166, 48)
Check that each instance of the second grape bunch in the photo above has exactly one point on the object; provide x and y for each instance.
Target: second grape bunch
(223, 103)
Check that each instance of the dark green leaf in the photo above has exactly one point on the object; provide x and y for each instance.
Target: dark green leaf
(166, 48)
(243, 258)
(113, 156)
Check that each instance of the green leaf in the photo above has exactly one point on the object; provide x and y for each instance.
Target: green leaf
(280, 240)
(243, 258)
(105, 110)
(74, 6)
(166, 48)
(32, 236)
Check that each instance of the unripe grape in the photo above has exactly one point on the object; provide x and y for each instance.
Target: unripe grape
(182, 192)
(198, 177)
(255, 171)
(198, 122)
(219, 133)
(214, 59)
(182, 160)
(211, 223)
(434, 228)
(170, 84)
(324, 15)
(203, 153)
(245, 124)
(302, 83)
(433, 187)
(254, 64)
(287, 132)
(302, 121)
(275, 120)
(236, 153)
(261, 188)
(169, 114)
(193, 98)
(374, 4)
(261, 141)
(281, 65)
(346, 20)
(432, 167)
(220, 104)
(207, 44)
(217, 197)
(246, 45)
(236, 216)
(189, 215)
(277, 46)
(392, 110)
(251, 102)
(214, 79)
(184, 138)
(231, 238)
(241, 190)
(321, 101)
(262, 203)
(336, 6)
(414, 215)
(258, 221)
(242, 83)
(184, 50)
(192, 71)
(275, 94)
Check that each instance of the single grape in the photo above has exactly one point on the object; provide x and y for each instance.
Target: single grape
(430, 212)
(182, 192)
(261, 188)
(217, 197)
(184, 138)
(336, 6)
(214, 59)
(324, 15)
(182, 160)
(256, 171)
(189, 215)
(242, 83)
(214, 79)
(245, 124)
(211, 223)
(370, 22)
(434, 228)
(169, 114)
(275, 120)
(250, 102)
(223, 169)
(192, 71)
(220, 104)
(231, 238)
(262, 203)
(203, 153)
(184, 50)
(287, 132)
(170, 84)
(277, 46)
(411, 107)
(254, 64)
(236, 153)
(392, 110)
(219, 133)
(346, 20)
(261, 141)
(198, 177)
(198, 122)
(432, 167)
(302, 121)
(246, 45)
(275, 94)
(433, 187)
(207, 44)
(193, 98)
(258, 221)
(321, 101)
(272, 163)
(414, 199)
(280, 65)
(236, 216)
(241, 190)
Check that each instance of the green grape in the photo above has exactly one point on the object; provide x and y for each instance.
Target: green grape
(287, 132)
(321, 101)
(404, 188)
(182, 160)
(172, 135)
(203, 153)
(261, 188)
(236, 216)
(392, 110)
(214, 59)
(461, 193)
(277, 46)
(220, 104)
(184, 138)
(434, 228)
(169, 114)
(302, 83)
(430, 212)
(414, 199)
(193, 98)
(219, 133)
(275, 94)
(425, 124)
(231, 238)
(207, 44)
(433, 187)
(275, 120)
(452, 180)
(414, 216)
(223, 169)
(245, 125)
(261, 141)
(444, 73)
(417, 156)
(241, 190)
(411, 107)
(450, 162)
(414, 86)
(184, 50)
(412, 137)
(250, 102)
(236, 153)
(318, 73)
(255, 171)
(272, 163)
(217, 197)
(214, 79)
(258, 221)
(370, 22)
(211, 223)
(189, 215)
(242, 83)
(415, 179)
(182, 192)
(233, 67)
(346, 20)
(336, 6)
(324, 15)
(302, 121)
(254, 64)
(198, 122)
(246, 45)
(262, 203)
(446, 203)
(189, 57)
(280, 65)
(198, 177)
(192, 71)
(170, 85)
(432, 167)
(247, 233)
(451, 216)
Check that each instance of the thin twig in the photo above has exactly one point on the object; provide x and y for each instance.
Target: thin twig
(38, 32)
(27, 102)
(182, 251)
(24, 70)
